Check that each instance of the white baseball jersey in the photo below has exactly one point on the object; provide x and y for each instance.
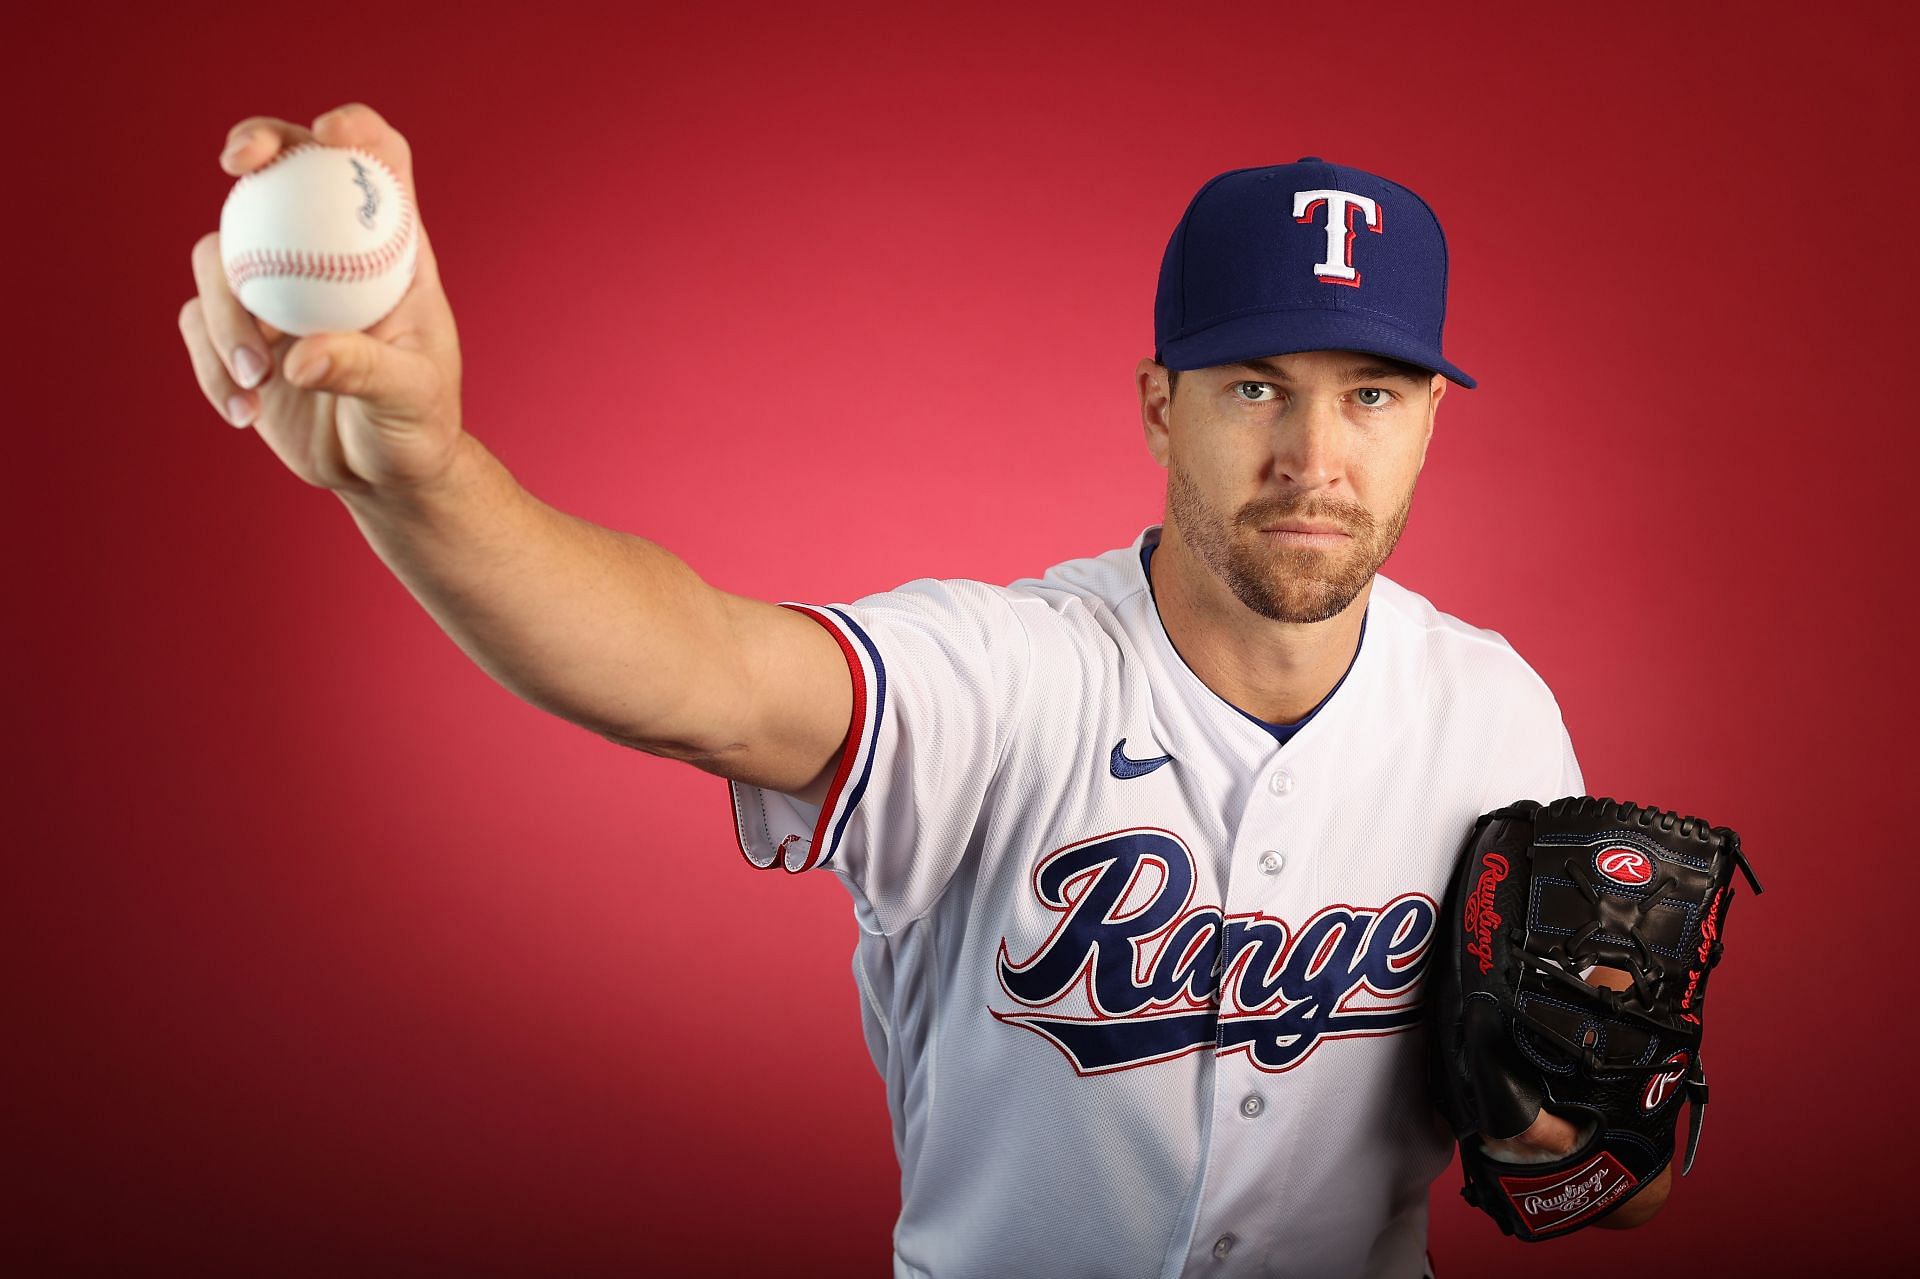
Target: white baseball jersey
(1140, 977)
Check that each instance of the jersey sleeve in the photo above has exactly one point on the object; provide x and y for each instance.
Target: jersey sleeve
(1535, 758)
(1571, 782)
(939, 671)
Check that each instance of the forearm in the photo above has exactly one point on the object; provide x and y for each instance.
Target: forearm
(603, 629)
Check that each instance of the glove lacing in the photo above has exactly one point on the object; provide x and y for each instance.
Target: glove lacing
(1563, 963)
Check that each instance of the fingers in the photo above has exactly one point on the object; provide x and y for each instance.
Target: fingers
(1550, 1133)
(258, 139)
(209, 370)
(255, 141)
(1547, 1138)
(238, 341)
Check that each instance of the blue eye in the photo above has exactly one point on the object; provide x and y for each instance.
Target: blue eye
(1373, 397)
(1268, 386)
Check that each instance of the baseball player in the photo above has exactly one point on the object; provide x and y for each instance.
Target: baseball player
(1144, 853)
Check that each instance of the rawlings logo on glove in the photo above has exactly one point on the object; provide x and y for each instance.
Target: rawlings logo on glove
(1543, 897)
(1479, 919)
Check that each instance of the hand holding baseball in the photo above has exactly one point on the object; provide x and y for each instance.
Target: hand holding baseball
(367, 411)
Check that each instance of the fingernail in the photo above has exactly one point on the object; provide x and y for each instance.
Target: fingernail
(315, 371)
(239, 410)
(247, 366)
(237, 145)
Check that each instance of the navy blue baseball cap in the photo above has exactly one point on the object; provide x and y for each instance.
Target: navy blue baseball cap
(1308, 256)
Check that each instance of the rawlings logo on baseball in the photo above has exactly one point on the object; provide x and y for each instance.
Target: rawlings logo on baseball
(1479, 919)
(1623, 865)
(370, 205)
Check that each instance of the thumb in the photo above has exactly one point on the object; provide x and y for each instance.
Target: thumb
(396, 384)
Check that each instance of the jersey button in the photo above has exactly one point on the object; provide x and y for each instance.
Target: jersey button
(1222, 1246)
(1280, 782)
(1251, 1105)
(1271, 862)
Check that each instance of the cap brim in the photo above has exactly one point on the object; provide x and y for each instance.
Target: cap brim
(1292, 331)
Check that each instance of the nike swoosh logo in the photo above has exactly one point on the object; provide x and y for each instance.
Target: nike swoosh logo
(1125, 768)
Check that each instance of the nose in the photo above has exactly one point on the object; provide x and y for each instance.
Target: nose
(1309, 446)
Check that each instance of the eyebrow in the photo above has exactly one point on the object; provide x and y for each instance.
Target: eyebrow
(1360, 373)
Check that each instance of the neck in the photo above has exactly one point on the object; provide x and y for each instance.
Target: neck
(1276, 671)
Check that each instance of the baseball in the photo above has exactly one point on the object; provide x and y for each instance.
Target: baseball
(321, 240)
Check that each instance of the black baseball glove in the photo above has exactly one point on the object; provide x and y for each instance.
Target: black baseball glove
(1542, 895)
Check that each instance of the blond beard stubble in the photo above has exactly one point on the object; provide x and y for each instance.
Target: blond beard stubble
(1285, 584)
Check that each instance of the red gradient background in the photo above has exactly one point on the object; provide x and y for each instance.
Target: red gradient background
(327, 955)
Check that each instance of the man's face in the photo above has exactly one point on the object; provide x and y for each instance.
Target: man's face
(1256, 453)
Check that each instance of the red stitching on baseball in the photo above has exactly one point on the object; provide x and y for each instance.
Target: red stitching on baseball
(262, 264)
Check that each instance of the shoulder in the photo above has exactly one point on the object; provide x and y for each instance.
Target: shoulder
(1086, 584)
(1084, 620)
(1075, 600)
(1455, 652)
(1089, 591)
(988, 626)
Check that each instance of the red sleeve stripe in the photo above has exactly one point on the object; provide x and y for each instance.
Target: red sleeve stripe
(856, 758)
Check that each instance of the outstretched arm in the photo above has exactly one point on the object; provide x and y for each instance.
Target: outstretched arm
(603, 629)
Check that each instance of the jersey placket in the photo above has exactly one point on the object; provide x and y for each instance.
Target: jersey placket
(1264, 883)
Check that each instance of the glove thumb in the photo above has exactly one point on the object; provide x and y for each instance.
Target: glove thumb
(1507, 1090)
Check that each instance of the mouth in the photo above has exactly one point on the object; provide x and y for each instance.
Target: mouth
(1304, 534)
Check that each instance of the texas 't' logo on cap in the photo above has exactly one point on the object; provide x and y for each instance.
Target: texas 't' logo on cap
(1342, 208)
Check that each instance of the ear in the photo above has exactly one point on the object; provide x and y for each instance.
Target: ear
(1156, 408)
(1436, 389)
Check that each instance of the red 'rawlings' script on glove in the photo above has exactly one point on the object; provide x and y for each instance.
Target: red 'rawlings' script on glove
(1480, 918)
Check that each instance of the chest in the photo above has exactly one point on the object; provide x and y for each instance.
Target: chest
(1150, 904)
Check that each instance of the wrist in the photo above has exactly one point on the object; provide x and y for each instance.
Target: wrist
(465, 467)
(1637, 1210)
